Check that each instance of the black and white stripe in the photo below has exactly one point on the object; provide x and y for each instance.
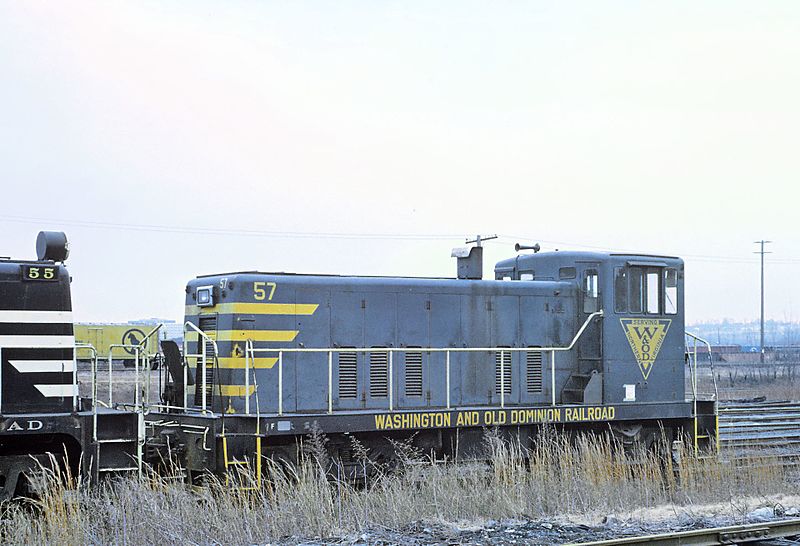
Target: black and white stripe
(36, 329)
(37, 351)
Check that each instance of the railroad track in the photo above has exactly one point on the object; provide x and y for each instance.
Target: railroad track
(770, 430)
(736, 534)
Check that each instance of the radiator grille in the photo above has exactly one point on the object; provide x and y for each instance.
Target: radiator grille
(533, 372)
(414, 373)
(378, 374)
(504, 358)
(208, 325)
(348, 375)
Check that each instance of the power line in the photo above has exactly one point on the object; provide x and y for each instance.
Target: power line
(228, 231)
(694, 257)
(164, 228)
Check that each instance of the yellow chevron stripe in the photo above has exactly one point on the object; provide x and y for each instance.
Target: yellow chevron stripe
(239, 362)
(274, 308)
(255, 309)
(235, 390)
(255, 335)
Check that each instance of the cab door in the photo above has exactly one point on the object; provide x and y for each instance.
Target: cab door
(591, 301)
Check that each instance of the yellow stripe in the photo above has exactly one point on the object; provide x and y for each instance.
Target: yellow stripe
(235, 390)
(239, 362)
(273, 308)
(255, 309)
(255, 335)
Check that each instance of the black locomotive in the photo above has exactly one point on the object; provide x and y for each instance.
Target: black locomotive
(41, 413)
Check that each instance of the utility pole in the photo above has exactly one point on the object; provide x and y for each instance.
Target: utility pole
(478, 240)
(762, 252)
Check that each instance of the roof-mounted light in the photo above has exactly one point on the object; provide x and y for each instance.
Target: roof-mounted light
(52, 245)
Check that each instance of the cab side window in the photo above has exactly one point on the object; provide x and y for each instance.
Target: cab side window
(621, 290)
(653, 291)
(671, 291)
(646, 290)
(636, 290)
(591, 293)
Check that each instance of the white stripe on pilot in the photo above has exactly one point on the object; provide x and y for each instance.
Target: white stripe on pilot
(37, 342)
(42, 366)
(57, 391)
(36, 316)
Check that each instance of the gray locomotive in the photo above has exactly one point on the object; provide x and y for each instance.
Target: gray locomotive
(578, 340)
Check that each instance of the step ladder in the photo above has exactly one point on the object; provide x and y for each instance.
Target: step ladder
(118, 438)
(706, 428)
(575, 389)
(236, 469)
(240, 466)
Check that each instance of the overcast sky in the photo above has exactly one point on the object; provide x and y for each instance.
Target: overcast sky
(170, 139)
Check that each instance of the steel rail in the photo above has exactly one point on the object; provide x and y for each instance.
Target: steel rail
(733, 534)
(762, 430)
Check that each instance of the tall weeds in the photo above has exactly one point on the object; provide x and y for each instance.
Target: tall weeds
(555, 476)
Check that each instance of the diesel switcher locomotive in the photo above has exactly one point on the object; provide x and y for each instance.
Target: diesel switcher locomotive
(575, 340)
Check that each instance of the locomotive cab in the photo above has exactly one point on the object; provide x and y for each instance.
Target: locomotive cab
(636, 353)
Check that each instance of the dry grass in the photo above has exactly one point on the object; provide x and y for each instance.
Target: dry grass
(743, 380)
(554, 478)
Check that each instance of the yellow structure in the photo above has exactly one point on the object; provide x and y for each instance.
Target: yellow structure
(117, 338)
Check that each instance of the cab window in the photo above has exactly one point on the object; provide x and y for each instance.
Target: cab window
(653, 291)
(591, 294)
(567, 273)
(621, 290)
(636, 290)
(646, 290)
(671, 291)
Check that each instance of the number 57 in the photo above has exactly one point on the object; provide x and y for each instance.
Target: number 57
(260, 292)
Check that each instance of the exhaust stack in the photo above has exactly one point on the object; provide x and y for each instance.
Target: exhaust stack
(469, 262)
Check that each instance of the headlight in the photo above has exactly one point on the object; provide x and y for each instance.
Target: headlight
(205, 296)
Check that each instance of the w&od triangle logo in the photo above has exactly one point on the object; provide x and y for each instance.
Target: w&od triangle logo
(645, 337)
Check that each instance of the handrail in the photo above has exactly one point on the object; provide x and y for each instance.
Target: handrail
(146, 365)
(90, 347)
(250, 352)
(710, 362)
(187, 355)
(110, 366)
(694, 384)
(140, 354)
